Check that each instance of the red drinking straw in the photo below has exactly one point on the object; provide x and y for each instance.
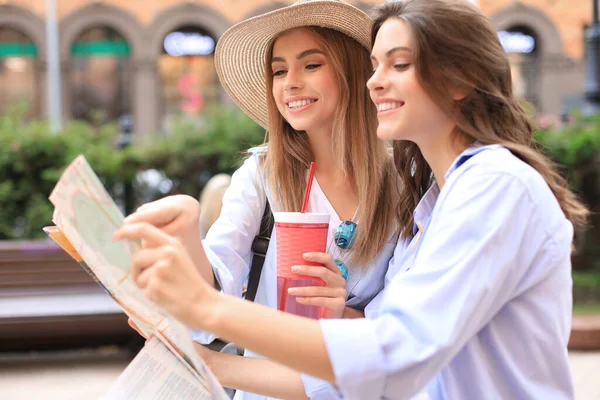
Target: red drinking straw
(311, 176)
(286, 281)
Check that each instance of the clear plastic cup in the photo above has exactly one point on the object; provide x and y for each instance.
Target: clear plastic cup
(296, 234)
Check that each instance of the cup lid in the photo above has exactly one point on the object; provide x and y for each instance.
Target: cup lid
(302, 218)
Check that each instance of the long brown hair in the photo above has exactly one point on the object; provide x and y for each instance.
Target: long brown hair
(363, 158)
(456, 46)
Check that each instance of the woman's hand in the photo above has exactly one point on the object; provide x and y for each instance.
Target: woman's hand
(177, 215)
(166, 274)
(332, 296)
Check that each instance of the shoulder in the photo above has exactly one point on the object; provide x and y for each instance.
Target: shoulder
(499, 163)
(253, 161)
(500, 178)
(258, 150)
(250, 175)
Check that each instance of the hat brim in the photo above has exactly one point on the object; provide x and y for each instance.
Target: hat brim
(240, 56)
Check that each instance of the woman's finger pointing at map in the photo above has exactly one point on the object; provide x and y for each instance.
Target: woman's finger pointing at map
(152, 236)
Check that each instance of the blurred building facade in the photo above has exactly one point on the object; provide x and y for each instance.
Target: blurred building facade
(153, 59)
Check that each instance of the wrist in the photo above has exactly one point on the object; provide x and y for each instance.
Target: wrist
(191, 236)
(206, 309)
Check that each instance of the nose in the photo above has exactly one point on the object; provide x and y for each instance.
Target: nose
(377, 82)
(293, 81)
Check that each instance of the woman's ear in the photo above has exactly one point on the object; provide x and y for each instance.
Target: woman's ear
(458, 94)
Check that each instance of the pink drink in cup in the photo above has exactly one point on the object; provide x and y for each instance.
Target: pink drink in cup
(296, 234)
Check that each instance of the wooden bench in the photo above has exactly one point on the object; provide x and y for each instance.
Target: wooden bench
(47, 301)
(585, 332)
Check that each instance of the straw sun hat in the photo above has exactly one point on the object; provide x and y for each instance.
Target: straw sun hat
(241, 52)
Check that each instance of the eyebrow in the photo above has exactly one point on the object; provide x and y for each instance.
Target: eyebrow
(394, 50)
(300, 56)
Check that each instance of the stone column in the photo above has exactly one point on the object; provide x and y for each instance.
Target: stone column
(66, 90)
(146, 97)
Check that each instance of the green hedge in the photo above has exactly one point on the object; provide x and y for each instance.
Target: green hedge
(576, 149)
(32, 159)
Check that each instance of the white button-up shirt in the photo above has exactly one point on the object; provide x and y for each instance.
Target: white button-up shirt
(480, 303)
(229, 241)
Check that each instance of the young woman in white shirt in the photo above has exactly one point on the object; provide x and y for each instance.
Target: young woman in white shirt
(301, 73)
(481, 305)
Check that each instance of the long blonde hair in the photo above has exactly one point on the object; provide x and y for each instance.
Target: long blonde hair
(363, 158)
(456, 46)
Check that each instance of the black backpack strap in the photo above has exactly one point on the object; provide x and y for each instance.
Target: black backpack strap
(260, 245)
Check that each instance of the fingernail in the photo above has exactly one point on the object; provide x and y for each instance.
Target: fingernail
(295, 268)
(307, 255)
(292, 291)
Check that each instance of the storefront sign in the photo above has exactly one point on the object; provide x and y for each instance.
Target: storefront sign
(188, 44)
(191, 97)
(517, 42)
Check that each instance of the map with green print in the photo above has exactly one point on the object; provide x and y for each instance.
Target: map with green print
(97, 232)
(87, 216)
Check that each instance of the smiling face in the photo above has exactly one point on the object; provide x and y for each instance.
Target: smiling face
(404, 109)
(305, 88)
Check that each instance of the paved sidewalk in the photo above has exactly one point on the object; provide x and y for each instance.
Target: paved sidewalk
(87, 380)
(78, 380)
(586, 374)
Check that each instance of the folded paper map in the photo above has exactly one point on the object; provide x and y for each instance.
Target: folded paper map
(167, 367)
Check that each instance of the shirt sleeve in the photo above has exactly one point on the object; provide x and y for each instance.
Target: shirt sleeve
(317, 389)
(228, 243)
(466, 268)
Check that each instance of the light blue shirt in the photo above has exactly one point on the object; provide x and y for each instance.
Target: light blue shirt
(480, 304)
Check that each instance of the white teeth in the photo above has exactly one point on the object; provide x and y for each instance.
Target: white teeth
(388, 106)
(300, 103)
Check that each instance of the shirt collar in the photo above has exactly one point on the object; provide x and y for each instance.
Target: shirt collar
(424, 209)
(465, 155)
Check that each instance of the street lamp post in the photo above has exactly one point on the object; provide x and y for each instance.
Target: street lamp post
(592, 81)
(53, 91)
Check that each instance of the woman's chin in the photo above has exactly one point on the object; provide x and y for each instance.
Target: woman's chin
(387, 133)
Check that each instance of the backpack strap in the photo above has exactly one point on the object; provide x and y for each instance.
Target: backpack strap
(260, 245)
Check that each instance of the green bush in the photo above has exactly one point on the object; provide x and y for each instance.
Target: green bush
(586, 287)
(576, 149)
(196, 150)
(32, 159)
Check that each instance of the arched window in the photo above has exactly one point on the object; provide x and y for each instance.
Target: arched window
(522, 45)
(18, 73)
(100, 75)
(188, 78)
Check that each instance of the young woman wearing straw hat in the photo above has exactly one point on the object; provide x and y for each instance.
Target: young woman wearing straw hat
(481, 307)
(300, 72)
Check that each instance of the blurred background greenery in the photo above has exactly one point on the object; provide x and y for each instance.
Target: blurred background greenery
(575, 148)
(32, 158)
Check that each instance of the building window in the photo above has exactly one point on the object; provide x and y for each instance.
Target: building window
(100, 76)
(18, 76)
(187, 72)
(522, 47)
